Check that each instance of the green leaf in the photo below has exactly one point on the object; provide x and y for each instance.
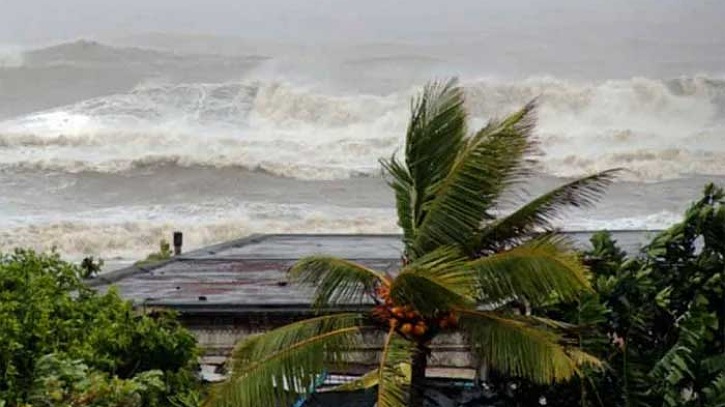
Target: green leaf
(715, 392)
(335, 280)
(402, 183)
(393, 383)
(281, 365)
(436, 281)
(435, 134)
(520, 347)
(371, 379)
(366, 381)
(491, 160)
(537, 215)
(535, 271)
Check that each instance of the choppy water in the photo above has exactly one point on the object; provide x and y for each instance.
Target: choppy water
(104, 150)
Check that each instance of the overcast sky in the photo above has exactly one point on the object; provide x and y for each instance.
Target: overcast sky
(34, 21)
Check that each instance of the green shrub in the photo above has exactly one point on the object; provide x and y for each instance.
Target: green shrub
(62, 382)
(46, 309)
(656, 317)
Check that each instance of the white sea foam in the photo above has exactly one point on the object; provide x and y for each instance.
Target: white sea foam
(656, 129)
(656, 221)
(128, 232)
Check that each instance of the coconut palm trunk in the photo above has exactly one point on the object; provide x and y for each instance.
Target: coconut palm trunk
(418, 366)
(463, 265)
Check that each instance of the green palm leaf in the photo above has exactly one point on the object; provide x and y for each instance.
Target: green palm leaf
(538, 214)
(491, 160)
(521, 347)
(280, 365)
(436, 281)
(535, 271)
(392, 381)
(366, 381)
(402, 183)
(437, 128)
(371, 378)
(335, 280)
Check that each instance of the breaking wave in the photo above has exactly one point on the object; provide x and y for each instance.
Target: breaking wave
(657, 129)
(93, 139)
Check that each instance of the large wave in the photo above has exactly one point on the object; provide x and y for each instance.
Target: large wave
(658, 129)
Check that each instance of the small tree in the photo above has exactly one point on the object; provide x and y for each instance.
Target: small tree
(460, 263)
(46, 309)
(656, 317)
(91, 267)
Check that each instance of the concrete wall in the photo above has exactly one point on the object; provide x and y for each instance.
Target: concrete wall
(218, 340)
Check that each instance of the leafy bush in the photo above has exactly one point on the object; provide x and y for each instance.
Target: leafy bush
(657, 318)
(62, 382)
(46, 309)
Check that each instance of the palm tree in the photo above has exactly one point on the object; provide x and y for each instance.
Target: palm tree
(461, 265)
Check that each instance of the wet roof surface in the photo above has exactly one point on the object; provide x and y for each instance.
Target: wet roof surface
(251, 272)
(245, 272)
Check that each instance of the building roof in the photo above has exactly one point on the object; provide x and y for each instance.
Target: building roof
(249, 274)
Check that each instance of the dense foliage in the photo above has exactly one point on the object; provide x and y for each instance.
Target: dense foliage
(53, 327)
(61, 382)
(657, 318)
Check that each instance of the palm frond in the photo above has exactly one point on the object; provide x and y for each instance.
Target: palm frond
(489, 162)
(436, 281)
(517, 347)
(537, 215)
(436, 129)
(535, 271)
(582, 358)
(435, 133)
(366, 381)
(393, 384)
(402, 183)
(335, 280)
(277, 367)
(371, 378)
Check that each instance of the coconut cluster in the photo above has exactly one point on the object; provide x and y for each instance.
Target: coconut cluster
(407, 320)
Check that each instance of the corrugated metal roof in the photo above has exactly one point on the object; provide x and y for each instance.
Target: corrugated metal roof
(246, 273)
(250, 274)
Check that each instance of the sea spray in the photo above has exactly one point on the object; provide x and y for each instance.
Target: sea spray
(658, 129)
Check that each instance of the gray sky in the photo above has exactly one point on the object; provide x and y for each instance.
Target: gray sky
(34, 21)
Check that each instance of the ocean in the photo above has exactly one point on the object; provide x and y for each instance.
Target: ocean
(106, 148)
